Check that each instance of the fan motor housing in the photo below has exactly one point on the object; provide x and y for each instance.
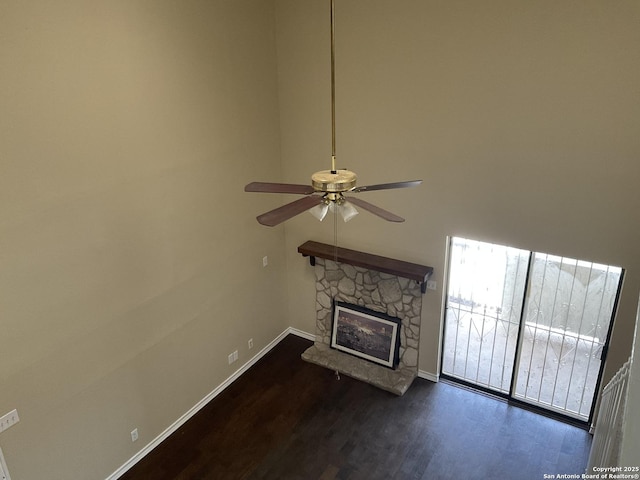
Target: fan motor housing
(333, 181)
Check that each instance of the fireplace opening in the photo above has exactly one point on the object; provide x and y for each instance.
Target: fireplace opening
(366, 333)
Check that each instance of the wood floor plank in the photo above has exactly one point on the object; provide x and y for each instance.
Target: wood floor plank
(288, 419)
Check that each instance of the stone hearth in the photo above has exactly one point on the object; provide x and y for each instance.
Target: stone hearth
(383, 292)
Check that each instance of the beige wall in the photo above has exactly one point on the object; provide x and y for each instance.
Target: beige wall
(128, 249)
(127, 130)
(521, 117)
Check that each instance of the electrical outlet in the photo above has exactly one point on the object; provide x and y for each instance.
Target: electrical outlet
(9, 420)
(250, 343)
(265, 261)
(233, 357)
(4, 473)
(134, 435)
(432, 285)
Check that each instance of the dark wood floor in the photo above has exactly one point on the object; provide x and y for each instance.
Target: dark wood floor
(287, 419)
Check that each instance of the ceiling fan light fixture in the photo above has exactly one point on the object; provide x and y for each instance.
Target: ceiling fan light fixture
(347, 211)
(320, 211)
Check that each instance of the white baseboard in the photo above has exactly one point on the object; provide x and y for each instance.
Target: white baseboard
(428, 376)
(219, 389)
(198, 406)
(300, 333)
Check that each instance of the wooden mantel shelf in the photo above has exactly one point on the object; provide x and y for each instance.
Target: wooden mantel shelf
(413, 271)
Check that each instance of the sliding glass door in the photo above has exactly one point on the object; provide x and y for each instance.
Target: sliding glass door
(527, 325)
(566, 323)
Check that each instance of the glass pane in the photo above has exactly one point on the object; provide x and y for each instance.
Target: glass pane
(567, 315)
(485, 295)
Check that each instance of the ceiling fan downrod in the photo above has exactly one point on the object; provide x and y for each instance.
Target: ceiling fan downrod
(328, 187)
(333, 88)
(333, 181)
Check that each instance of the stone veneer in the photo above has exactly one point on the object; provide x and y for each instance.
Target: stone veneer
(395, 296)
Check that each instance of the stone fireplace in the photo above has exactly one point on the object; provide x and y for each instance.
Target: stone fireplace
(381, 284)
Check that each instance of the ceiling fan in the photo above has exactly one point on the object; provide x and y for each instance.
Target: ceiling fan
(328, 187)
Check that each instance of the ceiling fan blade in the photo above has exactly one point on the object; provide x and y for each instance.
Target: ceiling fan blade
(290, 210)
(387, 186)
(382, 213)
(266, 187)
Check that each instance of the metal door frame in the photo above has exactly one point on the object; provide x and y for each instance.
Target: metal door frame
(510, 397)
